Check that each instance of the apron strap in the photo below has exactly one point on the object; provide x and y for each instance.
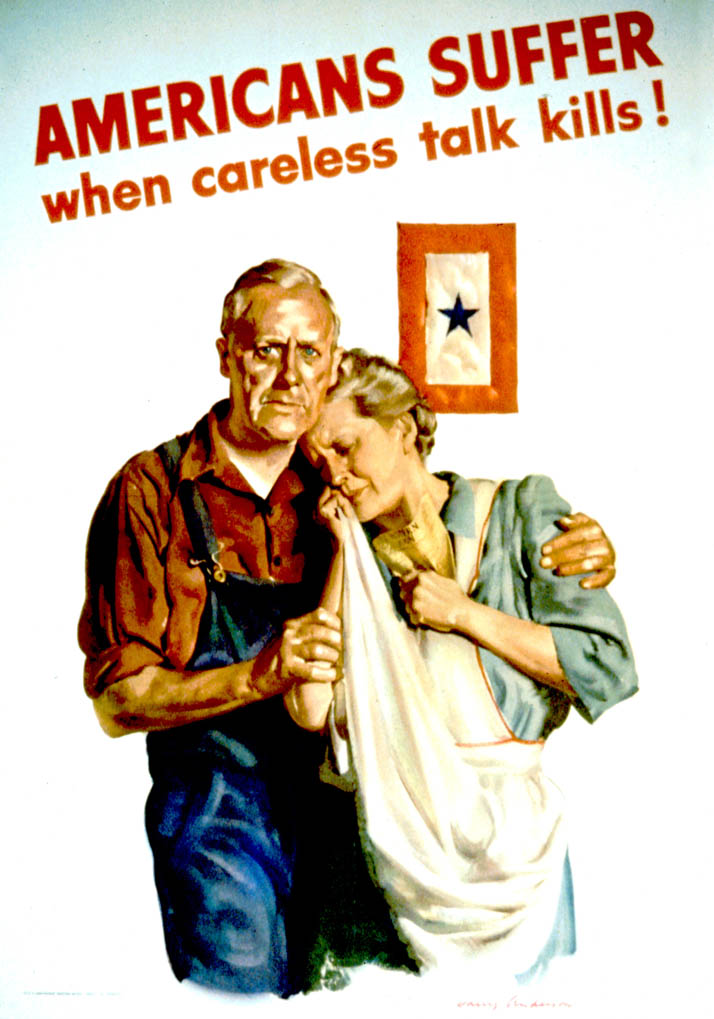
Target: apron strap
(467, 551)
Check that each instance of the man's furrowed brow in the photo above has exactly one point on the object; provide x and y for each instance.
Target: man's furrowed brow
(301, 341)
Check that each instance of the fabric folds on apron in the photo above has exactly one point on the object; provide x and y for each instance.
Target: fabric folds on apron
(465, 831)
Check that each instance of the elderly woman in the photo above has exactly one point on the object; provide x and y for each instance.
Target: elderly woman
(462, 654)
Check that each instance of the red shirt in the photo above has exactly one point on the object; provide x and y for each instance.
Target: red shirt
(144, 597)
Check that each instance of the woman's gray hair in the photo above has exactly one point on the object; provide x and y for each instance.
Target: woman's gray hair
(381, 389)
(278, 271)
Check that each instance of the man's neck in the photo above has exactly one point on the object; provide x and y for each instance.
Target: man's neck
(261, 467)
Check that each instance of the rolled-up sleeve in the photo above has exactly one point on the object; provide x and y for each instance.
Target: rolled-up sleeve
(126, 610)
(589, 632)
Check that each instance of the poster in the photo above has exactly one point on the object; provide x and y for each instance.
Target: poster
(109, 319)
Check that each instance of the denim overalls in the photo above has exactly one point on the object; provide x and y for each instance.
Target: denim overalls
(252, 853)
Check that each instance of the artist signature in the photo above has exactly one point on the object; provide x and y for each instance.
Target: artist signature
(514, 1002)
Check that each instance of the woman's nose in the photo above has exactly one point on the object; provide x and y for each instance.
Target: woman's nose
(336, 471)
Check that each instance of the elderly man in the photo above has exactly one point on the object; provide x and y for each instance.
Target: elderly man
(204, 569)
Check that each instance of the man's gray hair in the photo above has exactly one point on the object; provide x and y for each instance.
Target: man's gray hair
(380, 389)
(277, 271)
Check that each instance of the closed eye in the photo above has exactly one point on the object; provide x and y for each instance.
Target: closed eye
(315, 458)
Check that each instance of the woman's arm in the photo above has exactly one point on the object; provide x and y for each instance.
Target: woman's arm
(439, 603)
(309, 703)
(586, 635)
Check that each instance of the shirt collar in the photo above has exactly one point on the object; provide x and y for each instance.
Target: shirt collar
(458, 510)
(205, 454)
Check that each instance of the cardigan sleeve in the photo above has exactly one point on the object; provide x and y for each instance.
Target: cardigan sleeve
(589, 632)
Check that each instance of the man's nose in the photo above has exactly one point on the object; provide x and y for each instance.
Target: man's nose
(288, 367)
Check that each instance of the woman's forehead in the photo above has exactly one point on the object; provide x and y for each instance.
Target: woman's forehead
(337, 414)
(337, 418)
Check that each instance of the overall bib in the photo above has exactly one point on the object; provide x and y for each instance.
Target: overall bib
(233, 796)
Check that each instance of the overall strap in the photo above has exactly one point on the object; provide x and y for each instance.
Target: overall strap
(198, 522)
(171, 452)
(467, 551)
(206, 547)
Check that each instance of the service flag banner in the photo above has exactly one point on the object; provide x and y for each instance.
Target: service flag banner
(457, 314)
(457, 336)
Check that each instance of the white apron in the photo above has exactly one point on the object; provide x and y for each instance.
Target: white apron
(464, 830)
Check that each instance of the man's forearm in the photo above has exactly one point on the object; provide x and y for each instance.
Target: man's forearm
(161, 698)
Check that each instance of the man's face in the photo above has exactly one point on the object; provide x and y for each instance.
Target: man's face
(280, 361)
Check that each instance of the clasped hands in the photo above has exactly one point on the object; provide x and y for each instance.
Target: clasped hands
(310, 649)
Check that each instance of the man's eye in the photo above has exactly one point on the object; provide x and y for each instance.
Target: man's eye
(266, 350)
(309, 353)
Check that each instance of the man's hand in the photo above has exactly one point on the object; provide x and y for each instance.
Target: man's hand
(583, 548)
(308, 651)
(432, 600)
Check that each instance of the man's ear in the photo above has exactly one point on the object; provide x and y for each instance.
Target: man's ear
(223, 348)
(337, 354)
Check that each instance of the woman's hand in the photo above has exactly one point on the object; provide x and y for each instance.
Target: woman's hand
(439, 603)
(434, 601)
(583, 548)
(329, 507)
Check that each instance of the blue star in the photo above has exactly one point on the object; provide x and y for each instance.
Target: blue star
(458, 315)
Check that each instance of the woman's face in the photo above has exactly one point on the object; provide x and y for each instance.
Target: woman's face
(366, 460)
